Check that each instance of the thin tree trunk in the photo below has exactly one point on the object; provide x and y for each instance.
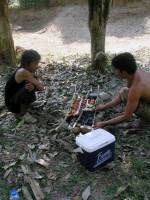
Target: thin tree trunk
(98, 16)
(7, 52)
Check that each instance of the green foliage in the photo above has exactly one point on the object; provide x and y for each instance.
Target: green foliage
(25, 4)
(14, 4)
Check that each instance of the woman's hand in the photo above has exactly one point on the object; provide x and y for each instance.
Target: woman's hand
(29, 86)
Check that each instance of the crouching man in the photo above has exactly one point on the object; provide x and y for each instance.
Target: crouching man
(21, 86)
(136, 94)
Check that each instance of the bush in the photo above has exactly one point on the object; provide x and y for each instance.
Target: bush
(25, 4)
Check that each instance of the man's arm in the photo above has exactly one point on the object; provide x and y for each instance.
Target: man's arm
(132, 104)
(122, 94)
(110, 104)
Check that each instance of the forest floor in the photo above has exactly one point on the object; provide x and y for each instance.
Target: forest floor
(64, 30)
(60, 176)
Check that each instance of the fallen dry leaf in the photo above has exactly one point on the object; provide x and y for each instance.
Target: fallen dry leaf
(53, 155)
(52, 176)
(35, 188)
(26, 193)
(120, 190)
(42, 162)
(7, 173)
(36, 175)
(86, 193)
(9, 165)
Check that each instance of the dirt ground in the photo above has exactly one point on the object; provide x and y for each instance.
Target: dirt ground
(63, 31)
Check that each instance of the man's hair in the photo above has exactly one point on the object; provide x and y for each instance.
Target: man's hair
(29, 56)
(125, 62)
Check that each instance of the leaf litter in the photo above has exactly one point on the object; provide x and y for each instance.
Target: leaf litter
(38, 149)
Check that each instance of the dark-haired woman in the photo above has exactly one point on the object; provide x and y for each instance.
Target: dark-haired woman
(21, 86)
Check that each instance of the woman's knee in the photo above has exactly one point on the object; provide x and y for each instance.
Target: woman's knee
(28, 97)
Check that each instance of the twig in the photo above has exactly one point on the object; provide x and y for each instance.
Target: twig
(56, 129)
(64, 120)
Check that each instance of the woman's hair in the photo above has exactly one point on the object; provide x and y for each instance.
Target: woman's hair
(29, 56)
(125, 62)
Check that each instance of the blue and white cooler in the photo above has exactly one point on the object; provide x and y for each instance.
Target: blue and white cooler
(95, 149)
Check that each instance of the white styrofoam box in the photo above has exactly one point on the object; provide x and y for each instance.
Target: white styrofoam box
(94, 140)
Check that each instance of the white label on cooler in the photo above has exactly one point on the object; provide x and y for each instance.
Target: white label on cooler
(103, 157)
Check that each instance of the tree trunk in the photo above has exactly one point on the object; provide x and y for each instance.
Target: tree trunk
(7, 52)
(98, 16)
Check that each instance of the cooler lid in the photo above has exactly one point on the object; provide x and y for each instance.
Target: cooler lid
(94, 140)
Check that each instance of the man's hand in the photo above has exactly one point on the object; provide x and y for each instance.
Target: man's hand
(100, 107)
(99, 125)
(29, 86)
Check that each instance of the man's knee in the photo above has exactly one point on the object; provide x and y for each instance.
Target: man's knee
(143, 111)
(123, 93)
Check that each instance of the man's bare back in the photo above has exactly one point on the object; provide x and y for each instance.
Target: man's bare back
(142, 80)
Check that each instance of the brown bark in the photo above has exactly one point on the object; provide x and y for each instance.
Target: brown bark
(7, 52)
(98, 16)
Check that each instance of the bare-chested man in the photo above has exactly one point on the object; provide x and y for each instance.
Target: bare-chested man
(136, 94)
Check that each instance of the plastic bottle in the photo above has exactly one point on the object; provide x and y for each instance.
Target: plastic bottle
(14, 195)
